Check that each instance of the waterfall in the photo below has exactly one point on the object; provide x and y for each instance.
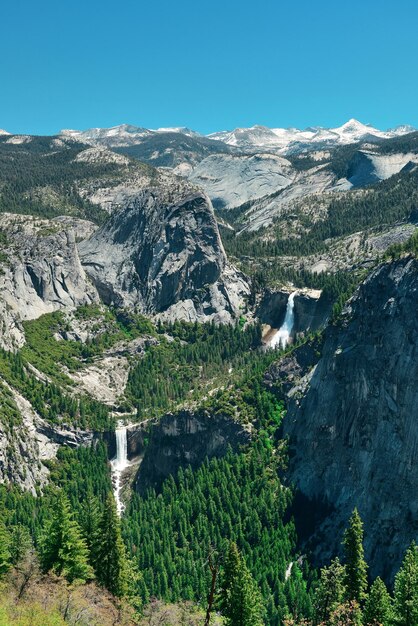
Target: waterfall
(288, 571)
(282, 337)
(119, 464)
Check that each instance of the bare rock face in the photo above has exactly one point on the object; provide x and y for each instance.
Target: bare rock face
(352, 419)
(41, 271)
(179, 440)
(161, 252)
(28, 443)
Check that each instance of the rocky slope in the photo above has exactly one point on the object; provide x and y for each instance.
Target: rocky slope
(29, 441)
(161, 252)
(351, 419)
(230, 181)
(41, 271)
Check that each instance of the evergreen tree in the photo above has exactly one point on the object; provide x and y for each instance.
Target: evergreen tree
(62, 546)
(331, 590)
(241, 599)
(355, 565)
(378, 607)
(20, 543)
(90, 522)
(111, 557)
(5, 556)
(406, 590)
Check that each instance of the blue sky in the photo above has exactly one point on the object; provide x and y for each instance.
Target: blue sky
(207, 65)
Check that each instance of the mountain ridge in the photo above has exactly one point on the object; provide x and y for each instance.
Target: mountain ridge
(281, 139)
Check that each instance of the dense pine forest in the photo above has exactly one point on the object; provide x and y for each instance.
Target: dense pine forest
(220, 537)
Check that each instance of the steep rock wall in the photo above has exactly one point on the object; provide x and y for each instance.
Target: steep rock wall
(162, 253)
(352, 419)
(178, 440)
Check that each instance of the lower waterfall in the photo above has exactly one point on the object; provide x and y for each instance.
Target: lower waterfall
(282, 336)
(119, 464)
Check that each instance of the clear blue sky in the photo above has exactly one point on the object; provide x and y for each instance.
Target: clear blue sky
(209, 65)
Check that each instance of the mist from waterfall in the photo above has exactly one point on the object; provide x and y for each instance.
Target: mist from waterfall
(119, 464)
(282, 336)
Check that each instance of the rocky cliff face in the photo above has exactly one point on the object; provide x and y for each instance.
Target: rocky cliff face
(352, 419)
(26, 444)
(178, 440)
(40, 271)
(161, 252)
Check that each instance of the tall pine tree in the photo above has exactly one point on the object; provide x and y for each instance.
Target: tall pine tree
(61, 545)
(241, 599)
(89, 522)
(20, 543)
(111, 558)
(406, 590)
(355, 565)
(378, 607)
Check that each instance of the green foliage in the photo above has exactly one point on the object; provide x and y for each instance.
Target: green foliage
(378, 607)
(331, 590)
(406, 590)
(10, 416)
(355, 565)
(82, 472)
(20, 543)
(48, 399)
(387, 202)
(241, 600)
(111, 558)
(5, 555)
(179, 370)
(238, 498)
(61, 545)
(399, 249)
(40, 178)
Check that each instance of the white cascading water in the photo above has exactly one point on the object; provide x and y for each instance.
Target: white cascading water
(288, 571)
(119, 464)
(282, 337)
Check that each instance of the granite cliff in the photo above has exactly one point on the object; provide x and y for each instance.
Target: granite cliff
(352, 420)
(161, 252)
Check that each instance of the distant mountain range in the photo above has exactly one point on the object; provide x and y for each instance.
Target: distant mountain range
(278, 140)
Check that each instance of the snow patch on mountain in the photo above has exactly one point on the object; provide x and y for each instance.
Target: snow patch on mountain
(122, 135)
(286, 140)
(179, 129)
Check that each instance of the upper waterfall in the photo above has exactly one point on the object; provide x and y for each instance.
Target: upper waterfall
(119, 464)
(282, 336)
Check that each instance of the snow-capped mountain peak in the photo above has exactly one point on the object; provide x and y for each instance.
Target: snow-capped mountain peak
(4, 132)
(286, 140)
(257, 138)
(183, 130)
(122, 135)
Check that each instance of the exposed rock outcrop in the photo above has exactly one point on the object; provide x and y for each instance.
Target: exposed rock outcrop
(352, 419)
(41, 271)
(232, 180)
(161, 252)
(178, 440)
(25, 445)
